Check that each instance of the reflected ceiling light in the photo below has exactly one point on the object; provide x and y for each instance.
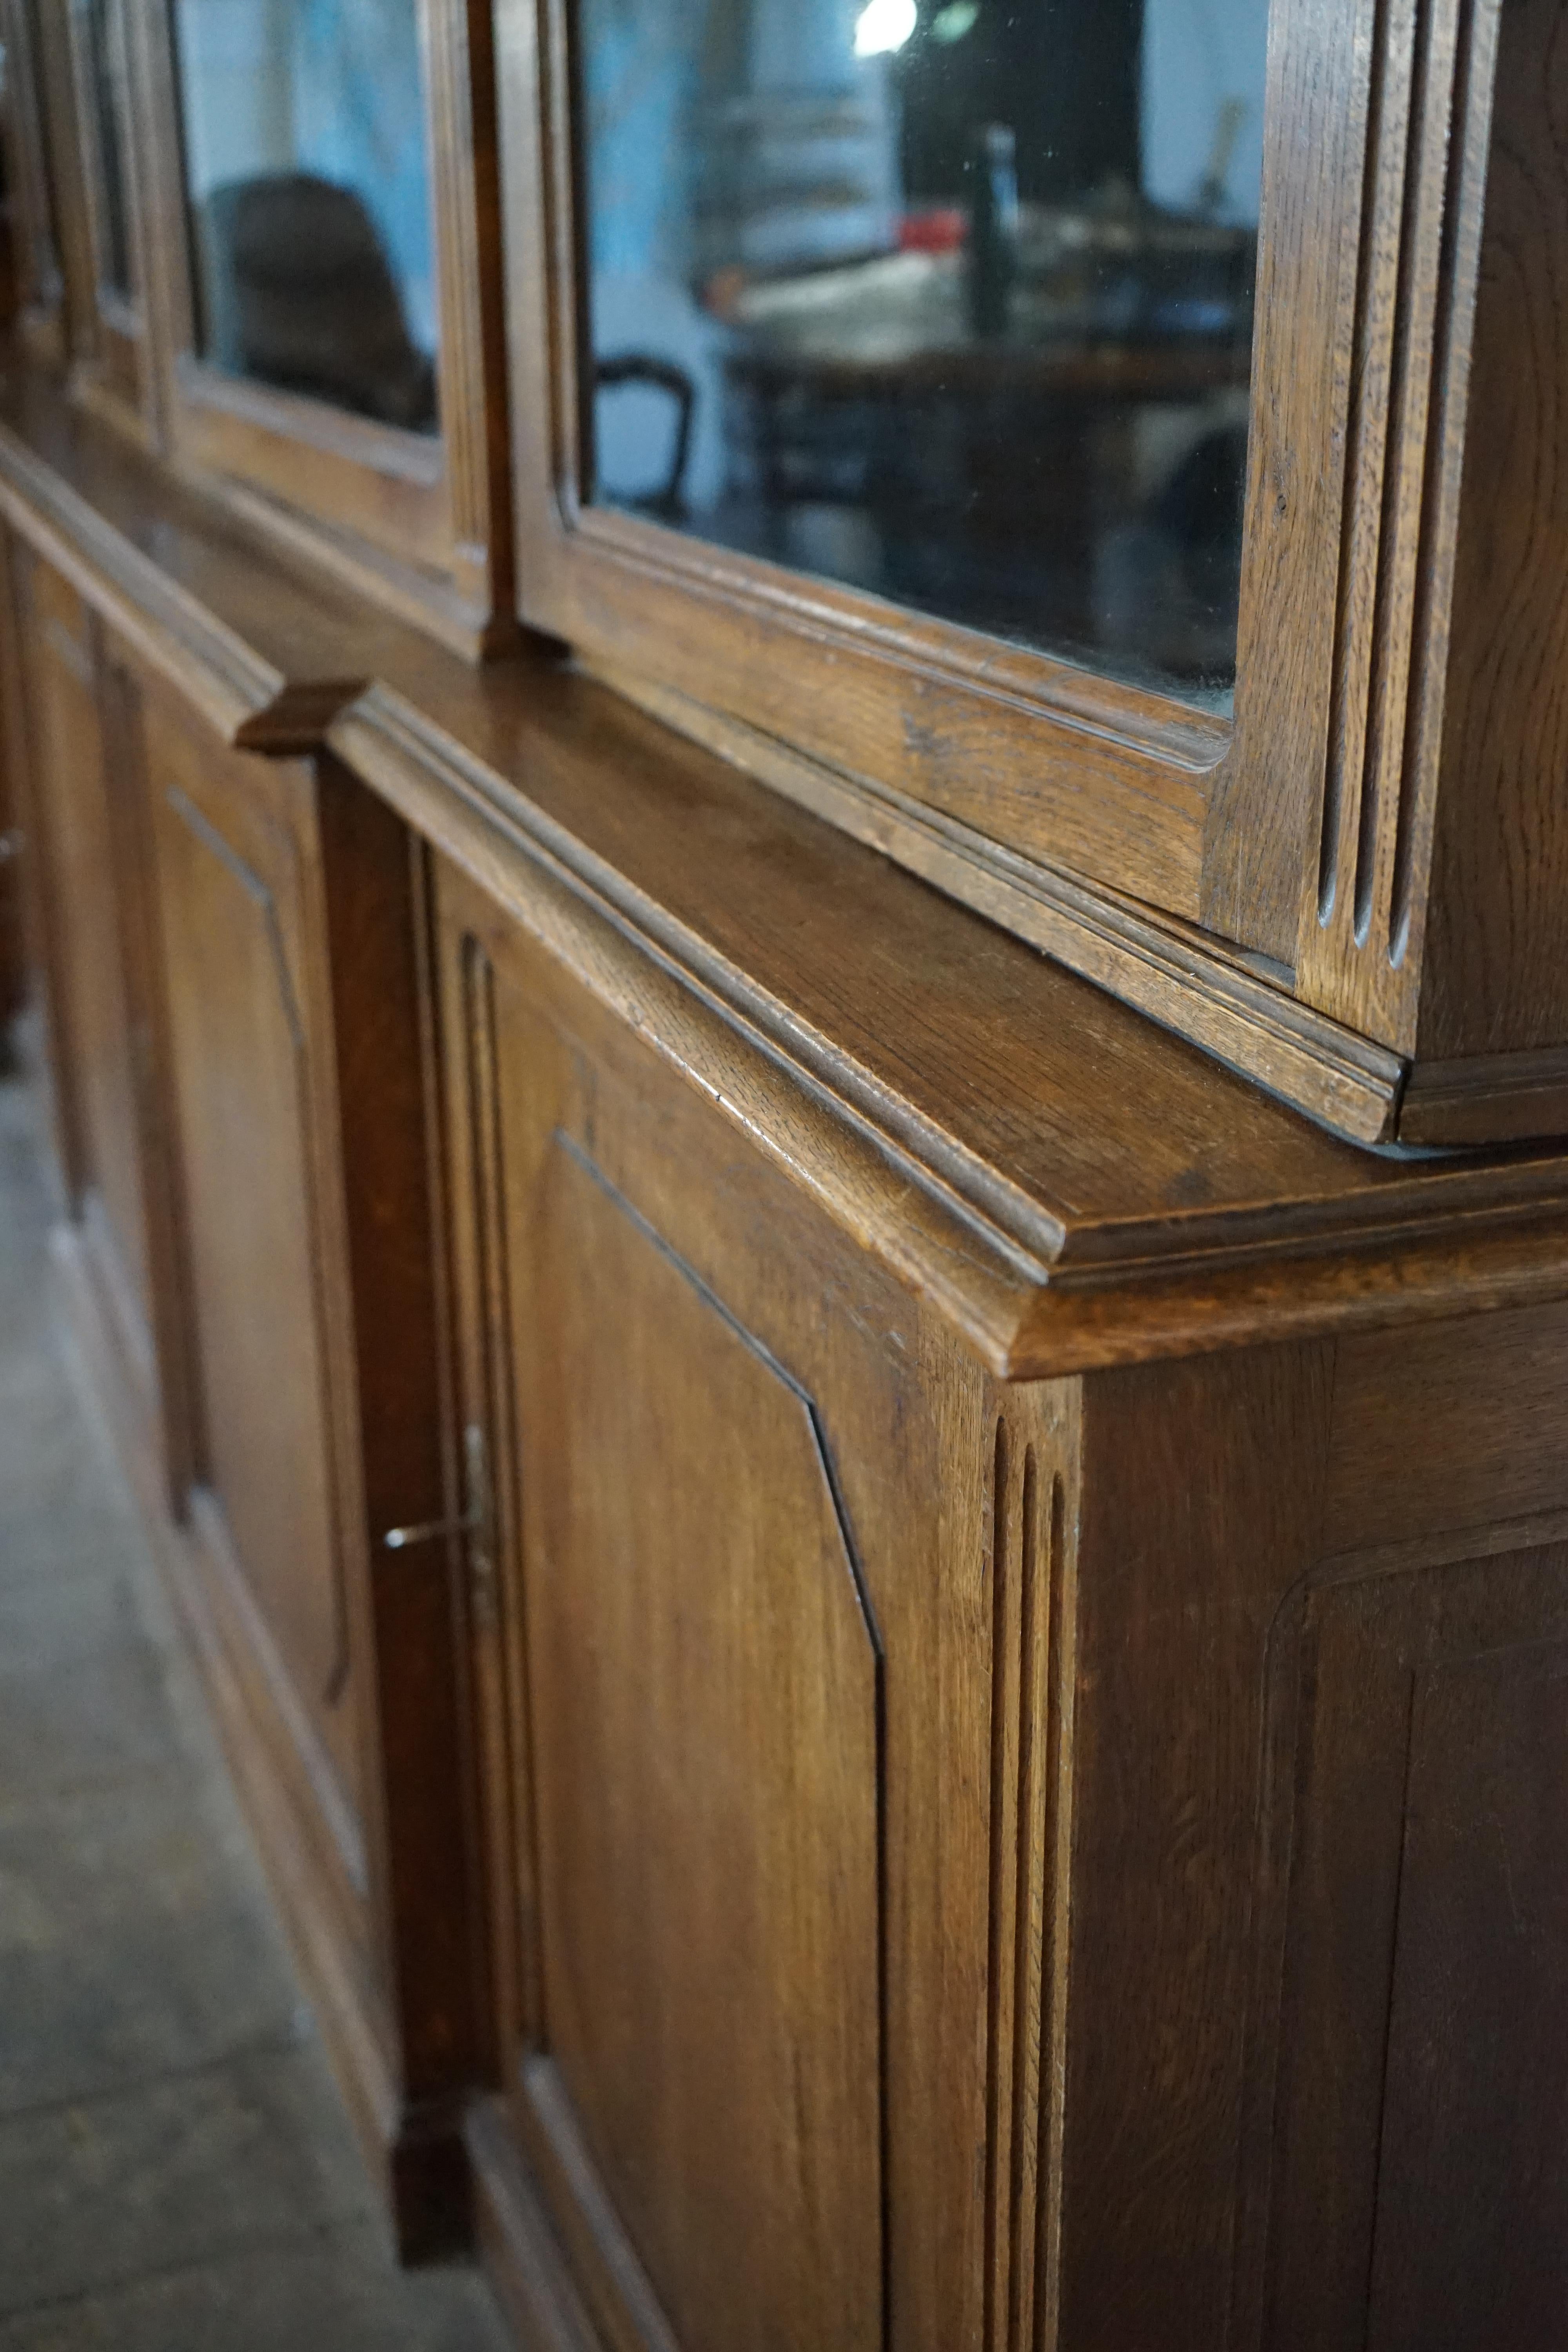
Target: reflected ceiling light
(884, 25)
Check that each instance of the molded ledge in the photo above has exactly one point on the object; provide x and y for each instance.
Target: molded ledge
(1069, 1184)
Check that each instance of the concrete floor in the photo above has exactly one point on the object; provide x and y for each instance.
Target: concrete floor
(176, 2169)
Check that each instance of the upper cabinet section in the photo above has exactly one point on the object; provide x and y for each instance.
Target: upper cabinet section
(1110, 454)
(308, 188)
(1089, 450)
(327, 242)
(953, 305)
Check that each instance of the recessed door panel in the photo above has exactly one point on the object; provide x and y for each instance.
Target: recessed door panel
(772, 1642)
(1422, 2110)
(703, 1687)
(1473, 2168)
(87, 874)
(234, 901)
(681, 1674)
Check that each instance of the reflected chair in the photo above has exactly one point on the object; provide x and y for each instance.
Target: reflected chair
(668, 504)
(296, 291)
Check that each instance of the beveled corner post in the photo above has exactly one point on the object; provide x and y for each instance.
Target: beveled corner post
(1354, 888)
(419, 520)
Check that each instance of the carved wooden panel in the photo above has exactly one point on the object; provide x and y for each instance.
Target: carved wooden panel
(1421, 2122)
(238, 918)
(1462, 1430)
(87, 873)
(772, 1645)
(1473, 2168)
(1202, 1497)
(31, 160)
(703, 1684)
(1304, 1914)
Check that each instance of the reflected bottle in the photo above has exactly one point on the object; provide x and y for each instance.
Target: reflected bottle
(993, 229)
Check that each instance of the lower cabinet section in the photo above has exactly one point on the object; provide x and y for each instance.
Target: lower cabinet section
(234, 942)
(285, 918)
(802, 1842)
(1032, 1869)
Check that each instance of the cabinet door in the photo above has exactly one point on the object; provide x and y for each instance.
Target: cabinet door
(1422, 2131)
(1314, 2089)
(243, 930)
(1134, 509)
(291, 1039)
(731, 1636)
(86, 869)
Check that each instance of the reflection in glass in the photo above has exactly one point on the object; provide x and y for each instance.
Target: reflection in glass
(949, 299)
(308, 178)
(23, 62)
(100, 32)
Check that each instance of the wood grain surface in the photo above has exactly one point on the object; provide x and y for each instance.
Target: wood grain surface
(1498, 920)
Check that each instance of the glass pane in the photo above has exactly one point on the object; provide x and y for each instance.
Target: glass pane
(35, 158)
(949, 299)
(307, 176)
(103, 66)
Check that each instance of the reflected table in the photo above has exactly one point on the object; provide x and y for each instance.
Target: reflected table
(987, 465)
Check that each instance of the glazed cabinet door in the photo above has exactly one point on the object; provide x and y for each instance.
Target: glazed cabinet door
(737, 1855)
(1085, 452)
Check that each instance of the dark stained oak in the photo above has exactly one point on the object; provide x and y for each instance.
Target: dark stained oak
(954, 1046)
(76, 834)
(419, 522)
(1361, 863)
(876, 1542)
(1202, 1495)
(39, 941)
(1377, 2231)
(1497, 932)
(1186, 1694)
(229, 939)
(960, 1744)
(957, 1048)
(1474, 2057)
(234, 877)
(699, 1645)
(1460, 1436)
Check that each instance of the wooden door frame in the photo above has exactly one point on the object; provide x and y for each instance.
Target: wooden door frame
(1224, 875)
(421, 522)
